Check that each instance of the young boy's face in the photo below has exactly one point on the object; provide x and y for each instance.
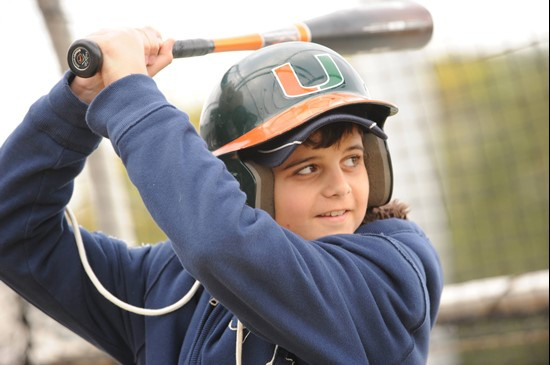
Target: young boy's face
(322, 191)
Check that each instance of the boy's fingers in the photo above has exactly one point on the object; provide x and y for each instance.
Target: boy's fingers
(132, 50)
(163, 59)
(152, 41)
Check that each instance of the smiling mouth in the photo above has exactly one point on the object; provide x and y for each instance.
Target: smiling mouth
(334, 213)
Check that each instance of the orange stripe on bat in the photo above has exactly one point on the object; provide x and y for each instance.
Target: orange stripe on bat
(304, 32)
(242, 43)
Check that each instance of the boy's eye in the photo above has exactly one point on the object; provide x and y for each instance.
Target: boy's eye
(352, 161)
(306, 170)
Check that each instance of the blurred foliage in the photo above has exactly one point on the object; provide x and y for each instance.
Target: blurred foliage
(495, 144)
(501, 341)
(85, 209)
(494, 141)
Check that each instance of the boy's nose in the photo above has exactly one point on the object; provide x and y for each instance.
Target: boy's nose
(336, 183)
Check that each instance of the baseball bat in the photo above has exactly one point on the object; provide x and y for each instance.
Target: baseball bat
(372, 27)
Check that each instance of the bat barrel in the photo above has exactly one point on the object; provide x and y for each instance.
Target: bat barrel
(378, 26)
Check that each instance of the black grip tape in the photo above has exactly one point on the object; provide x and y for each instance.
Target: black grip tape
(192, 47)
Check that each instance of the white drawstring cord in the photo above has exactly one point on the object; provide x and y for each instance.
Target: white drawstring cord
(239, 343)
(110, 297)
(138, 310)
(274, 355)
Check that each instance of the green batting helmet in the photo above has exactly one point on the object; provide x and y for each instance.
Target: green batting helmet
(273, 99)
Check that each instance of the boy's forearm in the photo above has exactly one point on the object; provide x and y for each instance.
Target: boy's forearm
(38, 254)
(39, 161)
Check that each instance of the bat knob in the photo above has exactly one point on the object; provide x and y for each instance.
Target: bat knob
(84, 58)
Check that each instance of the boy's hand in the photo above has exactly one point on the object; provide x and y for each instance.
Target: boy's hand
(125, 52)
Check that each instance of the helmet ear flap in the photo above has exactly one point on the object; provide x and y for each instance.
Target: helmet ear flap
(264, 195)
(255, 180)
(379, 170)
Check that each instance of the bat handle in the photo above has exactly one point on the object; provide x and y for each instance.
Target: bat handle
(84, 58)
(192, 47)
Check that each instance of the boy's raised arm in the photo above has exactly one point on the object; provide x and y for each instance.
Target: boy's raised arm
(38, 256)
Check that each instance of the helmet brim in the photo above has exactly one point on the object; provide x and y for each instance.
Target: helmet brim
(297, 115)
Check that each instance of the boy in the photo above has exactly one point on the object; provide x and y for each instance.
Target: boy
(301, 280)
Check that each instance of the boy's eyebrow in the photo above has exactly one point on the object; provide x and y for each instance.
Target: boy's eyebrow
(298, 162)
(356, 147)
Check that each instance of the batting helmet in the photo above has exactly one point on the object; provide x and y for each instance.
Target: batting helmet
(274, 99)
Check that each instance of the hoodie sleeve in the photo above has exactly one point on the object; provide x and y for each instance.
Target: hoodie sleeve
(38, 255)
(344, 299)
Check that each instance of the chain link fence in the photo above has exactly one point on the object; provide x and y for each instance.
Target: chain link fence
(470, 154)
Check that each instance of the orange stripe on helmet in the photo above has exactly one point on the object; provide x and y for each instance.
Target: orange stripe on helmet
(295, 116)
(289, 81)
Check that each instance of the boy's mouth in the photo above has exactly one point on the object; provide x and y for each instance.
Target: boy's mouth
(334, 213)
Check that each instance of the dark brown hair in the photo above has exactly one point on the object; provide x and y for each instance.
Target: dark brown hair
(331, 134)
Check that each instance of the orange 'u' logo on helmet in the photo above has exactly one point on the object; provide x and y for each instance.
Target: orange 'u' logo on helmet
(291, 85)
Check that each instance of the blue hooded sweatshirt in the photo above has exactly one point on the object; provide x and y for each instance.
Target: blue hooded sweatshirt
(365, 298)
